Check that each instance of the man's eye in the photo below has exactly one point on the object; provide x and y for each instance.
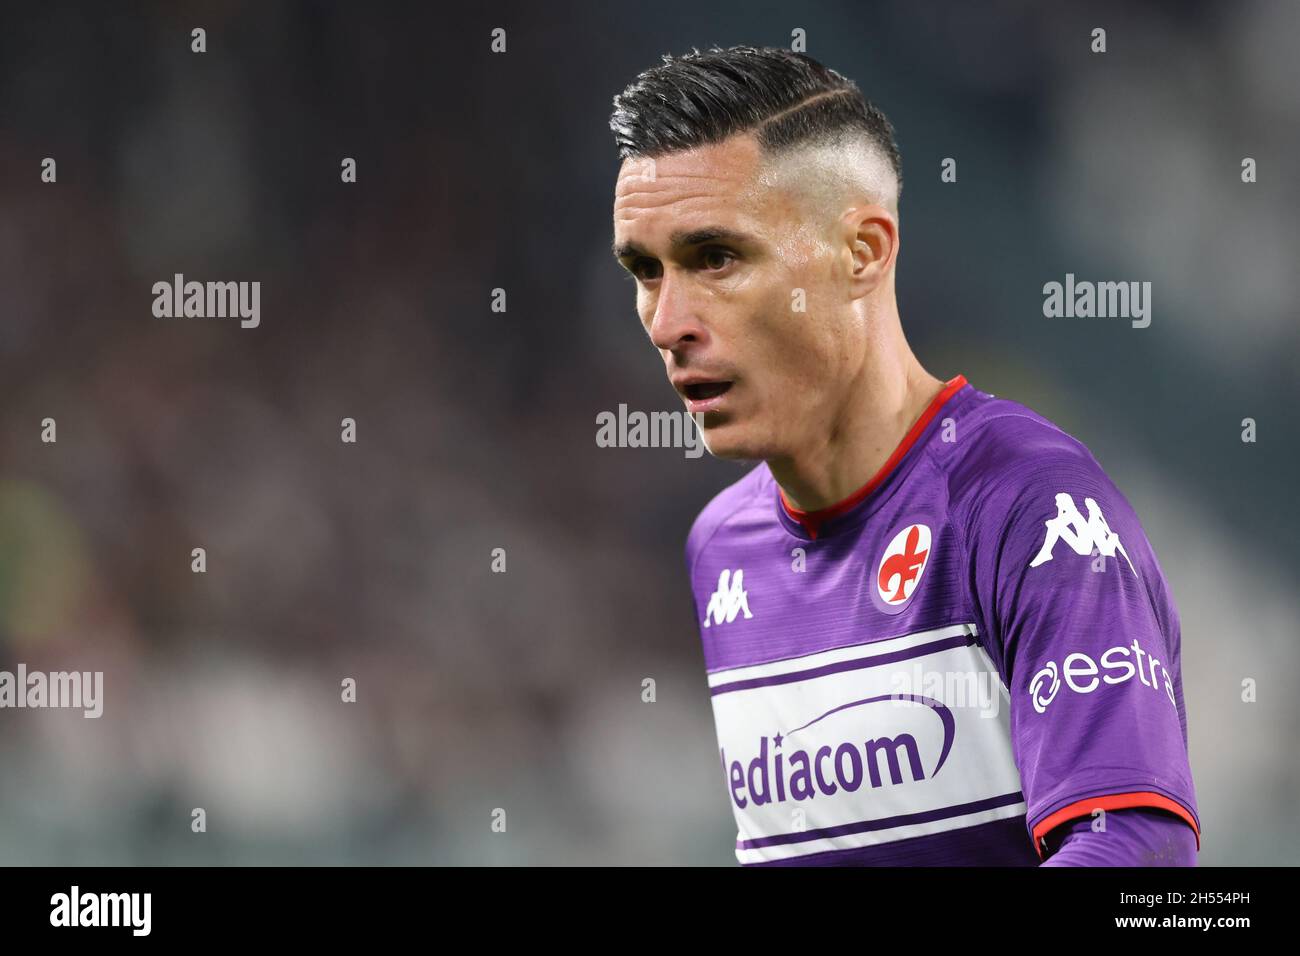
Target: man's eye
(644, 269)
(715, 259)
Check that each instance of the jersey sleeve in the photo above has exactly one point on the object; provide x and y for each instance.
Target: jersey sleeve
(1077, 617)
(1133, 836)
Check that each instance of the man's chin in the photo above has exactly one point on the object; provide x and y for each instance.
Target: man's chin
(732, 441)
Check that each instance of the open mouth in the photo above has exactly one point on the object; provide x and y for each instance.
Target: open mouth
(701, 391)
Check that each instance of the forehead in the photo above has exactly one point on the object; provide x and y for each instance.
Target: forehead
(718, 183)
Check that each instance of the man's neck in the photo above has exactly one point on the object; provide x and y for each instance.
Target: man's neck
(861, 439)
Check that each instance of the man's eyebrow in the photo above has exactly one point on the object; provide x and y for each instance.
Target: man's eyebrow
(682, 240)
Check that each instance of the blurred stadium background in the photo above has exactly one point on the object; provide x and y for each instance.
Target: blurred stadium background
(476, 429)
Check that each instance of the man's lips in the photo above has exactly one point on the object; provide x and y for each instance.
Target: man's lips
(703, 395)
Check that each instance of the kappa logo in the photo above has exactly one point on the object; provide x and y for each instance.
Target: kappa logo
(1080, 535)
(902, 565)
(728, 600)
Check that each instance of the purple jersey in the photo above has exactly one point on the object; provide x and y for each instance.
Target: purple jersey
(975, 648)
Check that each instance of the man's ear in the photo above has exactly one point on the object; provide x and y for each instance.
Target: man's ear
(871, 235)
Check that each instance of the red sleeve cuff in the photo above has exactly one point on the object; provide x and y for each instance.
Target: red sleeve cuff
(1113, 801)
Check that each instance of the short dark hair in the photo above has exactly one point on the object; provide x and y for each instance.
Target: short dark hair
(785, 98)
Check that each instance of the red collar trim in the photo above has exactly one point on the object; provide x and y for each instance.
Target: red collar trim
(811, 521)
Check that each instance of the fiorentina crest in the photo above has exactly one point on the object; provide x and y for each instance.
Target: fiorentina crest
(901, 567)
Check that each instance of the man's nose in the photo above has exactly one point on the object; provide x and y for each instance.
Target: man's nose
(676, 319)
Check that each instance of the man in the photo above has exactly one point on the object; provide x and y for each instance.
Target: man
(935, 631)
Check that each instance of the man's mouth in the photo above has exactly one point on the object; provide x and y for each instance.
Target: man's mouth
(703, 390)
(704, 396)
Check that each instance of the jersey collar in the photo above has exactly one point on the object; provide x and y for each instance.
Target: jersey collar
(813, 521)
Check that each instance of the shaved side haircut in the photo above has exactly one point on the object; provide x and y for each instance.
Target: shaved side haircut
(819, 134)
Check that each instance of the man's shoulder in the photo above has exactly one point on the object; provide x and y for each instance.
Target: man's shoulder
(1000, 444)
(749, 492)
(1009, 469)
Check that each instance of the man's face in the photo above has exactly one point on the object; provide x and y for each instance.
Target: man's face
(742, 287)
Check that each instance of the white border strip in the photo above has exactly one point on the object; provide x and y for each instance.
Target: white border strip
(839, 654)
